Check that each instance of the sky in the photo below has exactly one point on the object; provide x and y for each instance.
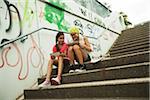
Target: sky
(138, 11)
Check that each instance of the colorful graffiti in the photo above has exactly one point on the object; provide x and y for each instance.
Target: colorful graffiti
(20, 61)
(13, 15)
(54, 15)
(28, 13)
(9, 6)
(18, 15)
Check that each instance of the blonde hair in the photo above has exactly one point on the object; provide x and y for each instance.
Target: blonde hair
(74, 30)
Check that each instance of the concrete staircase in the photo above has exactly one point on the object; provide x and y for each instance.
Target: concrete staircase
(124, 75)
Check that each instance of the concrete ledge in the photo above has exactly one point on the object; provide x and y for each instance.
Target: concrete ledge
(134, 87)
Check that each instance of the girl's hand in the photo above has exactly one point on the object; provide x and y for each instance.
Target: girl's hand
(55, 54)
(75, 42)
(62, 54)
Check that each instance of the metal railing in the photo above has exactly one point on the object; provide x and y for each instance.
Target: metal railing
(23, 36)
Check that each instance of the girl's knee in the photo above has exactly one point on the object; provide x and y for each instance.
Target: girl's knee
(76, 47)
(70, 48)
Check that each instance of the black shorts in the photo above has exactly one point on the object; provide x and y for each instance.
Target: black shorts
(66, 62)
(88, 58)
(85, 60)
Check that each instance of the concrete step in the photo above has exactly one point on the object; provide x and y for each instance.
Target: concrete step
(130, 88)
(129, 45)
(117, 72)
(133, 41)
(114, 61)
(122, 40)
(134, 58)
(135, 32)
(137, 29)
(130, 50)
(113, 98)
(140, 31)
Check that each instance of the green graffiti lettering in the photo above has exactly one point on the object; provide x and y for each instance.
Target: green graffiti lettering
(56, 16)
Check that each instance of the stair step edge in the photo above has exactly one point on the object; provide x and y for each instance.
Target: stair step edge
(100, 83)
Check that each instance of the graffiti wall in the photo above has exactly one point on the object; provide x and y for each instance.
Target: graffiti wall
(23, 60)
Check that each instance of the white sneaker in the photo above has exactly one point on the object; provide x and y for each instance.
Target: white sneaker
(72, 68)
(55, 81)
(71, 71)
(80, 70)
(45, 84)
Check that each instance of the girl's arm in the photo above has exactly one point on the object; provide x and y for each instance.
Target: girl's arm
(87, 45)
(63, 51)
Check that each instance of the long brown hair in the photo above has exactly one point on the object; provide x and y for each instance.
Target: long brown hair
(57, 36)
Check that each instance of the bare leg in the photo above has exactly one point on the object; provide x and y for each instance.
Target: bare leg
(49, 70)
(84, 55)
(71, 55)
(78, 53)
(60, 67)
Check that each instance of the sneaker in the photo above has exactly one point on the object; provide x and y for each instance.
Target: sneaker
(72, 69)
(81, 69)
(55, 81)
(45, 84)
